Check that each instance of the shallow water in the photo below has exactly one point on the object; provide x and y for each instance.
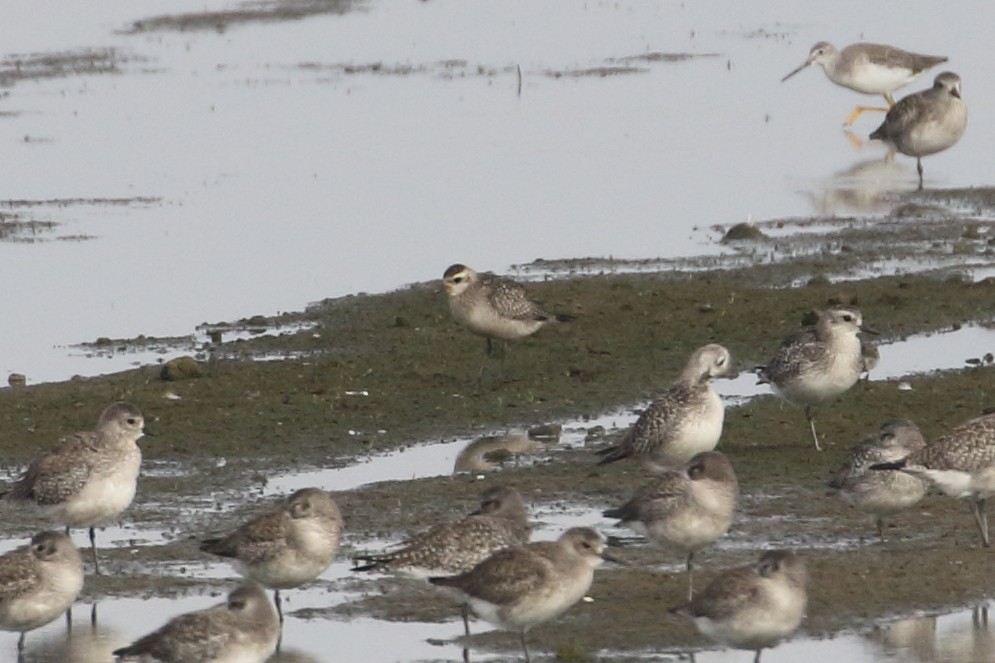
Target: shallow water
(263, 174)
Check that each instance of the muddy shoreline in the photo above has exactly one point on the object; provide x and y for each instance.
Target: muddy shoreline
(376, 373)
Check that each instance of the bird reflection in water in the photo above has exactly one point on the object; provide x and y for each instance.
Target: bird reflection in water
(928, 639)
(867, 186)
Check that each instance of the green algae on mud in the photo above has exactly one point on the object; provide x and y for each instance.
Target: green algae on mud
(379, 372)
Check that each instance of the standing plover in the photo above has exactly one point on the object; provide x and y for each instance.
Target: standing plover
(926, 122)
(961, 464)
(38, 582)
(687, 509)
(755, 606)
(685, 420)
(493, 307)
(818, 363)
(868, 68)
(243, 629)
(287, 546)
(451, 548)
(89, 478)
(517, 588)
(881, 493)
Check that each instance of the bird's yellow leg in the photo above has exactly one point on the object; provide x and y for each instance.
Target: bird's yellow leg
(855, 113)
(890, 99)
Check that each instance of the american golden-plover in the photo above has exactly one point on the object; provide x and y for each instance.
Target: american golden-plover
(685, 420)
(881, 493)
(88, 478)
(687, 509)
(517, 588)
(38, 582)
(243, 629)
(494, 307)
(754, 606)
(818, 363)
(287, 546)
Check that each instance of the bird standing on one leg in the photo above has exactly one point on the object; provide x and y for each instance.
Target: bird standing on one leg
(88, 478)
(687, 509)
(287, 546)
(818, 363)
(926, 122)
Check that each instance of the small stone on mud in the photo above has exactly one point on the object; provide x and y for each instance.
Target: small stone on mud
(743, 232)
(181, 368)
(595, 433)
(17, 379)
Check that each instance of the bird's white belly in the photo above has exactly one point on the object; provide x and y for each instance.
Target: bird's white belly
(871, 78)
(103, 498)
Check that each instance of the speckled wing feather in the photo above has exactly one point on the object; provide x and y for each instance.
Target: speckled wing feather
(655, 500)
(61, 473)
(506, 576)
(510, 300)
(451, 547)
(655, 425)
(857, 464)
(256, 541)
(725, 596)
(908, 111)
(795, 354)
(17, 574)
(967, 447)
(197, 636)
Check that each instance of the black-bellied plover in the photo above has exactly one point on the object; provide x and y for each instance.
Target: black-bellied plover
(961, 464)
(38, 582)
(243, 629)
(88, 478)
(818, 363)
(869, 69)
(685, 420)
(452, 548)
(926, 122)
(881, 493)
(494, 307)
(519, 587)
(686, 509)
(287, 546)
(754, 606)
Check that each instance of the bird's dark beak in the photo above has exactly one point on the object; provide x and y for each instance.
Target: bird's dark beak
(869, 330)
(802, 66)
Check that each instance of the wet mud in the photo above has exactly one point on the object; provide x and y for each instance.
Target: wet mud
(371, 374)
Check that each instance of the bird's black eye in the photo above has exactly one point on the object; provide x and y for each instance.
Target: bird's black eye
(848, 318)
(132, 421)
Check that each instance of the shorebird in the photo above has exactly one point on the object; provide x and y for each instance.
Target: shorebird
(494, 307)
(687, 509)
(88, 478)
(881, 493)
(38, 582)
(818, 363)
(755, 606)
(685, 420)
(871, 355)
(452, 548)
(961, 464)
(243, 629)
(926, 122)
(869, 69)
(517, 588)
(287, 546)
